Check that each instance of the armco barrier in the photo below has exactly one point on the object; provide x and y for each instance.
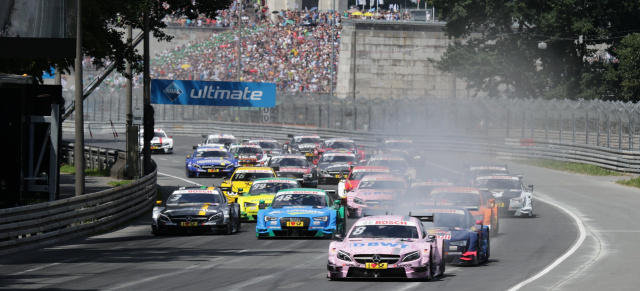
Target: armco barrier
(488, 143)
(33, 226)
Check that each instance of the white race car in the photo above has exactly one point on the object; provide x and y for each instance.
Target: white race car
(161, 142)
(510, 195)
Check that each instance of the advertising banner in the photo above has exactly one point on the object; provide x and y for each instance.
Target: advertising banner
(211, 93)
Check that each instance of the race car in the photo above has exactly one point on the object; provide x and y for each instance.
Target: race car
(474, 171)
(375, 192)
(293, 166)
(248, 154)
(210, 161)
(161, 142)
(217, 139)
(333, 167)
(405, 148)
(511, 197)
(355, 175)
(386, 246)
(241, 180)
(304, 212)
(466, 240)
(421, 190)
(261, 195)
(397, 164)
(193, 210)
(270, 147)
(302, 144)
(340, 144)
(487, 210)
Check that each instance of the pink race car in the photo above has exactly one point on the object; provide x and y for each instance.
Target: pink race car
(386, 246)
(376, 193)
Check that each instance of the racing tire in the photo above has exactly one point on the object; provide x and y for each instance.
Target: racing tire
(189, 174)
(432, 267)
(488, 251)
(238, 225)
(228, 230)
(443, 264)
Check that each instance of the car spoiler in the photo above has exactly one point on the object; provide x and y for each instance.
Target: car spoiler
(424, 217)
(373, 212)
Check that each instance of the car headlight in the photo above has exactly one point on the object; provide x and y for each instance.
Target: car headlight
(412, 256)
(358, 201)
(460, 243)
(518, 200)
(163, 217)
(270, 218)
(165, 144)
(344, 256)
(216, 216)
(321, 218)
(196, 166)
(250, 204)
(417, 156)
(232, 193)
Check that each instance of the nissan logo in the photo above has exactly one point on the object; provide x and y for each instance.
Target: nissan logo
(188, 218)
(376, 259)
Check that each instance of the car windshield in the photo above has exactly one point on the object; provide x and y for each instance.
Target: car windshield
(460, 199)
(340, 145)
(360, 175)
(384, 231)
(382, 184)
(270, 187)
(269, 145)
(298, 200)
(221, 140)
(289, 162)
(211, 154)
(338, 159)
(499, 184)
(251, 176)
(159, 134)
(306, 139)
(392, 164)
(185, 198)
(399, 145)
(248, 150)
(451, 220)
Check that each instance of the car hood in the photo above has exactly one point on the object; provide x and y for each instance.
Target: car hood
(304, 211)
(213, 161)
(374, 194)
(191, 209)
(391, 246)
(156, 139)
(267, 198)
(306, 145)
(335, 167)
(294, 170)
(508, 193)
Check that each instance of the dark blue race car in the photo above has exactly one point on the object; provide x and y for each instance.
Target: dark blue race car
(209, 161)
(466, 240)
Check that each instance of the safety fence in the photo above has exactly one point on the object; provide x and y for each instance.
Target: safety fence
(37, 225)
(600, 123)
(97, 158)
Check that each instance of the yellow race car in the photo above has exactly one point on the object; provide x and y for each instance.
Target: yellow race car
(261, 195)
(241, 180)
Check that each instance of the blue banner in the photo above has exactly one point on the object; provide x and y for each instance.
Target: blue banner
(210, 93)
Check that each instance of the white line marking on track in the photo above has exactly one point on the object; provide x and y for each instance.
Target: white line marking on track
(571, 251)
(171, 176)
(176, 161)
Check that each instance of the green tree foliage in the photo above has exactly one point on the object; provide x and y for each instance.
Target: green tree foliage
(103, 36)
(496, 47)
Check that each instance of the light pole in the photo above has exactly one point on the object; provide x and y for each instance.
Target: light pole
(333, 45)
(78, 150)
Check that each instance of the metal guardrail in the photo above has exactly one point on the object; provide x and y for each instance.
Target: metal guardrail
(96, 158)
(33, 226)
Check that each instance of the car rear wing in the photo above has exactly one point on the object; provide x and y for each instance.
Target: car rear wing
(373, 212)
(424, 217)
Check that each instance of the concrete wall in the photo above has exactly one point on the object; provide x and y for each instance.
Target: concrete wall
(390, 60)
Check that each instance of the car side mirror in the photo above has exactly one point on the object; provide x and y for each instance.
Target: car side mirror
(431, 237)
(531, 187)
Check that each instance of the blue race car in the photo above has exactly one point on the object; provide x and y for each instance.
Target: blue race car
(304, 212)
(210, 161)
(466, 240)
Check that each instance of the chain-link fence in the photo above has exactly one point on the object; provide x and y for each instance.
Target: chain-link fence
(606, 124)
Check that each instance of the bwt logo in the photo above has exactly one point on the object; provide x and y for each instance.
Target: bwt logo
(172, 91)
(216, 93)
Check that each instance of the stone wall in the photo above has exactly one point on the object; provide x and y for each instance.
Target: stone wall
(391, 60)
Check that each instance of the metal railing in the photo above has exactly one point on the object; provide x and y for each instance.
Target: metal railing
(600, 123)
(37, 225)
(96, 158)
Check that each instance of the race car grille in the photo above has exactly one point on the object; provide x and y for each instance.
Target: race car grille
(385, 273)
(305, 220)
(156, 144)
(368, 258)
(212, 167)
(192, 218)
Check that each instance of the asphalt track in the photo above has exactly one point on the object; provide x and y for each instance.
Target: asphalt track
(588, 238)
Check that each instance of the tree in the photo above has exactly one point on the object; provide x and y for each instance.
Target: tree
(496, 45)
(102, 38)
